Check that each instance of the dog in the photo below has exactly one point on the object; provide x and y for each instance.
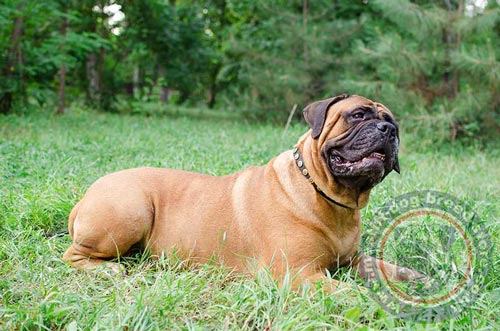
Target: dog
(300, 212)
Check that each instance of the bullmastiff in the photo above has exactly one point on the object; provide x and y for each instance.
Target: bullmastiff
(300, 212)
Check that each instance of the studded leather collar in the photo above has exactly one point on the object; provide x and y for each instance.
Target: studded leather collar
(302, 167)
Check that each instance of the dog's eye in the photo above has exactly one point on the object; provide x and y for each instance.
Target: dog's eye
(358, 116)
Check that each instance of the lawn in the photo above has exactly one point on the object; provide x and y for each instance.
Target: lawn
(47, 163)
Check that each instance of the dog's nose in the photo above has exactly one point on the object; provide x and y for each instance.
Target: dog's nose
(387, 128)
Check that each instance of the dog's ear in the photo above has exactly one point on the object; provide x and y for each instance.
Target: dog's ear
(387, 116)
(315, 113)
(396, 166)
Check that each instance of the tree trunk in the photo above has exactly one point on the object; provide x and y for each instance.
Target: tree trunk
(95, 65)
(95, 71)
(92, 78)
(61, 105)
(456, 76)
(62, 75)
(213, 86)
(100, 77)
(183, 96)
(304, 28)
(164, 90)
(6, 102)
(13, 58)
(136, 81)
(451, 40)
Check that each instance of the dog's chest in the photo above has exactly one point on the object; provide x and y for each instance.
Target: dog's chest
(344, 245)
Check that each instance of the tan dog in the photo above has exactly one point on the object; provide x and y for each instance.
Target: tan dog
(299, 212)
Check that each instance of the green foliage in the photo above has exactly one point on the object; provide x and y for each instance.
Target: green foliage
(165, 30)
(282, 58)
(42, 49)
(435, 64)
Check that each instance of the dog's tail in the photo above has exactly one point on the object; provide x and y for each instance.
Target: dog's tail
(71, 218)
(55, 234)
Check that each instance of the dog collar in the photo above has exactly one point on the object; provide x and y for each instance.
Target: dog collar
(303, 170)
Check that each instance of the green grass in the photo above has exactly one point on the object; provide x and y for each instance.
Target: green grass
(47, 163)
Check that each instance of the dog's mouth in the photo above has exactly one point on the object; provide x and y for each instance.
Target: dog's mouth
(337, 160)
(361, 169)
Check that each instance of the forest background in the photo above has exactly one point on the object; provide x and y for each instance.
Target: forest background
(90, 87)
(435, 63)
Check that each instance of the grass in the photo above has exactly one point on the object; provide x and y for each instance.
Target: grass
(47, 163)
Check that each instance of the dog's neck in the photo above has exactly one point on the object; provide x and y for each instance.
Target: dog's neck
(321, 175)
(299, 161)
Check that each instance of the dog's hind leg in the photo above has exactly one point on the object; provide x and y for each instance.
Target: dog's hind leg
(93, 246)
(85, 258)
(103, 229)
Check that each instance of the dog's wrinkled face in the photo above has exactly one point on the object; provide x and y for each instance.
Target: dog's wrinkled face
(359, 139)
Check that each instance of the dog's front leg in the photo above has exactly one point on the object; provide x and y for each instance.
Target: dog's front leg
(369, 267)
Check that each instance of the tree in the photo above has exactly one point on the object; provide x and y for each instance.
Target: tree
(412, 55)
(423, 58)
(13, 57)
(285, 51)
(173, 34)
(38, 48)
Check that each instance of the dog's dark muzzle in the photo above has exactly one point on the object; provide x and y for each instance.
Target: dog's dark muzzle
(368, 150)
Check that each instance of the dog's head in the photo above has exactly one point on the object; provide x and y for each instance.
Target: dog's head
(357, 138)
